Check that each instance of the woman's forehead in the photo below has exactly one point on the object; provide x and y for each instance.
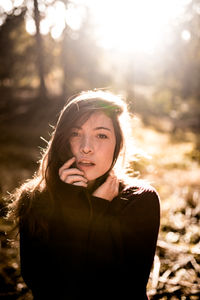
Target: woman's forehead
(94, 118)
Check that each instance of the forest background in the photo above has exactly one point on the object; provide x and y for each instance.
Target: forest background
(50, 50)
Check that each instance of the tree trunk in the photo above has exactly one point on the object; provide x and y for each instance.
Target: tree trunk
(40, 54)
(64, 64)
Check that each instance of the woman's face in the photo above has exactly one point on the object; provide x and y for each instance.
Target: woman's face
(93, 145)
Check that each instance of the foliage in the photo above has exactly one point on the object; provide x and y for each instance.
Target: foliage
(16, 52)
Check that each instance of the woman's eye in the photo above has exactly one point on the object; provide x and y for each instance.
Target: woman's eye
(102, 136)
(74, 134)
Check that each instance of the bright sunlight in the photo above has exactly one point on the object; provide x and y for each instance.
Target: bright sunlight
(133, 25)
(127, 26)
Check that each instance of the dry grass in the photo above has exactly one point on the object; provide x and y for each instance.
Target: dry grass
(171, 169)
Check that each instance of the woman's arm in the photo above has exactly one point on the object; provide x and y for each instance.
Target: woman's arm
(36, 265)
(139, 224)
(35, 257)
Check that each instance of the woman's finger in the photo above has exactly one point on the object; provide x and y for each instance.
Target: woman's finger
(72, 178)
(111, 173)
(67, 164)
(80, 183)
(71, 171)
(111, 177)
(115, 186)
(112, 181)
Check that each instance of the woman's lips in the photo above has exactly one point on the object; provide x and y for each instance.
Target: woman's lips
(85, 163)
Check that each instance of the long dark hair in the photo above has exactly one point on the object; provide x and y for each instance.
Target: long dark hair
(76, 111)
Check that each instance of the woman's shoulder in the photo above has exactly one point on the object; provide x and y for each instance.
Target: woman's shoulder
(139, 189)
(33, 200)
(140, 198)
(34, 213)
(33, 205)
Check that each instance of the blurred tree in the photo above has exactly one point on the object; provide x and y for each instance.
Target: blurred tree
(17, 58)
(40, 52)
(8, 51)
(178, 74)
(81, 58)
(191, 52)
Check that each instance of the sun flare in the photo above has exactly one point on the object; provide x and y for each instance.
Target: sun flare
(127, 26)
(133, 25)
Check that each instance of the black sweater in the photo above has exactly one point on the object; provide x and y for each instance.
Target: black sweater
(94, 249)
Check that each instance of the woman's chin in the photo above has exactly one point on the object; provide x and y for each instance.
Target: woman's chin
(91, 179)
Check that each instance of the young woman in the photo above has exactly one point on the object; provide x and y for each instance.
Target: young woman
(85, 233)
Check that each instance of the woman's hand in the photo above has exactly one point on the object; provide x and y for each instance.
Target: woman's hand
(109, 189)
(72, 175)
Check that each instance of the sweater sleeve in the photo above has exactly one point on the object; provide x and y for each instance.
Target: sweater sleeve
(34, 263)
(31, 257)
(139, 221)
(99, 205)
(35, 256)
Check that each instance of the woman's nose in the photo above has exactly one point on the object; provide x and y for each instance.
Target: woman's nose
(86, 145)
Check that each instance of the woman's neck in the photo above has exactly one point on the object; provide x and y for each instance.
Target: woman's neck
(91, 184)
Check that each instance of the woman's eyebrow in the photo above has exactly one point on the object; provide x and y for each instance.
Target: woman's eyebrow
(96, 128)
(76, 127)
(101, 127)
